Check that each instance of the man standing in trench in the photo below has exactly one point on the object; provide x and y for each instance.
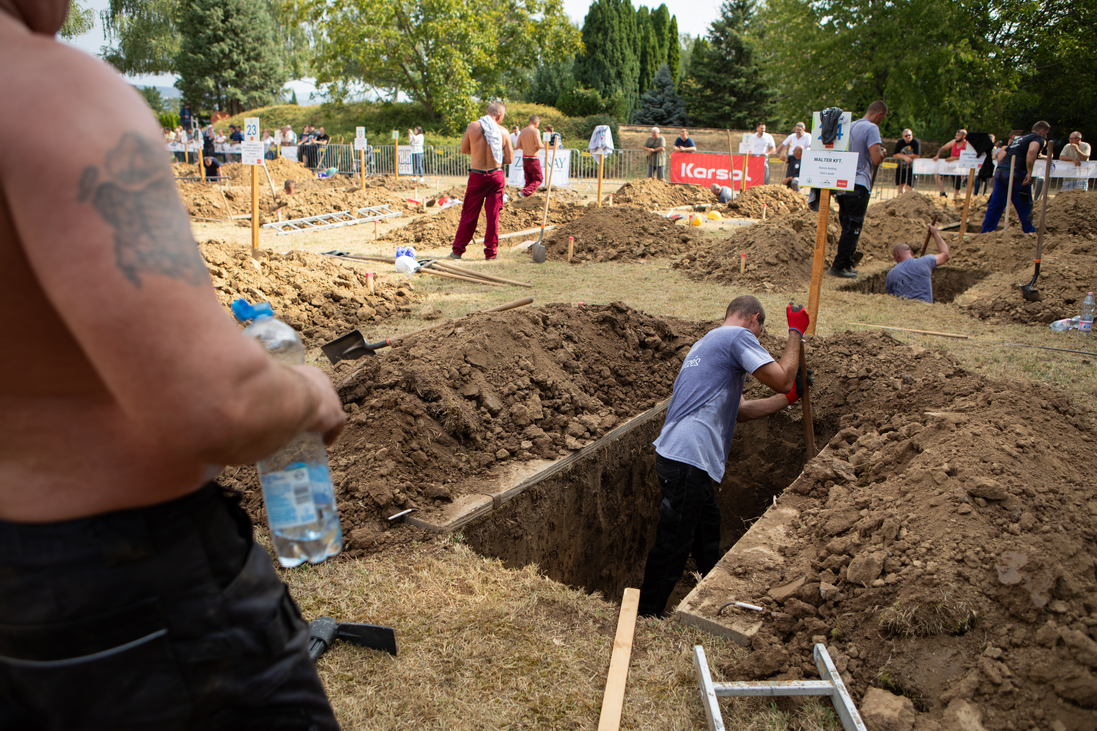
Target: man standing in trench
(488, 147)
(132, 595)
(692, 449)
(529, 140)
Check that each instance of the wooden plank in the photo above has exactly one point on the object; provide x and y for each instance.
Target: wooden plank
(910, 330)
(613, 701)
(817, 262)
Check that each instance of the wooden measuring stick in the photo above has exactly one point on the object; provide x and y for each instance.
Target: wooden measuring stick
(228, 211)
(362, 167)
(805, 404)
(742, 263)
(731, 161)
(909, 330)
(601, 160)
(1009, 190)
(967, 203)
(746, 162)
(450, 275)
(254, 210)
(613, 701)
(478, 275)
(817, 263)
(269, 181)
(571, 247)
(396, 157)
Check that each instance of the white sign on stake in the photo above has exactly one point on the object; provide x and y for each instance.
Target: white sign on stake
(841, 142)
(827, 169)
(251, 150)
(745, 148)
(396, 135)
(359, 132)
(968, 158)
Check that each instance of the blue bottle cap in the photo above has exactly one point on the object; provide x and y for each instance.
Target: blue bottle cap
(246, 312)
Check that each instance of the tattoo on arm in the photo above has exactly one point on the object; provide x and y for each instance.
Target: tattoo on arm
(137, 197)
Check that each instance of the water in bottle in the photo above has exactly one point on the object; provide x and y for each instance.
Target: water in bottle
(297, 489)
(1085, 324)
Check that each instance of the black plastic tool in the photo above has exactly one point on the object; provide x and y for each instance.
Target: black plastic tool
(324, 631)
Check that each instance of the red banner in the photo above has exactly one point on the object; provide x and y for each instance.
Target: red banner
(707, 168)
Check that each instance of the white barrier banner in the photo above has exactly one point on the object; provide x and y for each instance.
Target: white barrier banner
(561, 174)
(1066, 169)
(289, 152)
(927, 166)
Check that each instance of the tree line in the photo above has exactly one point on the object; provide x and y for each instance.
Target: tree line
(979, 64)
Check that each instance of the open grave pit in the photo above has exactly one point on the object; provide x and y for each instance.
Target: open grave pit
(948, 283)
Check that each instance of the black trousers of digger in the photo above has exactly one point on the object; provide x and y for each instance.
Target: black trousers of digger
(689, 523)
(168, 617)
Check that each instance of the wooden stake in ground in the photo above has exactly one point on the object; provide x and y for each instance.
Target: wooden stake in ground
(742, 263)
(571, 247)
(1009, 191)
(967, 203)
(817, 262)
(613, 701)
(254, 210)
(601, 161)
(362, 167)
(746, 162)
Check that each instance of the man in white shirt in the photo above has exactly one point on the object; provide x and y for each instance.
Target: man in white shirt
(790, 151)
(415, 138)
(1075, 152)
(763, 145)
(288, 137)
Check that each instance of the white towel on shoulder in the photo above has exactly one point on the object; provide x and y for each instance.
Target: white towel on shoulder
(493, 134)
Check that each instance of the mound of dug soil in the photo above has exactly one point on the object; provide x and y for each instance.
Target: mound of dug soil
(482, 392)
(1073, 212)
(776, 198)
(655, 195)
(915, 205)
(518, 214)
(318, 296)
(1064, 280)
(942, 546)
(619, 232)
(779, 253)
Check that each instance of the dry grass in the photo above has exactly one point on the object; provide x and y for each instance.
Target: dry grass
(484, 647)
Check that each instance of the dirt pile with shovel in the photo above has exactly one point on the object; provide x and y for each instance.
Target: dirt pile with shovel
(942, 547)
(482, 393)
(318, 296)
(620, 233)
(655, 195)
(435, 230)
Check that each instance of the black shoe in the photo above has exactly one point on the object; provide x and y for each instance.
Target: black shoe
(842, 273)
(453, 255)
(944, 195)
(857, 257)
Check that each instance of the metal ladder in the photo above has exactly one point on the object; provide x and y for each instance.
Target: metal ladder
(333, 220)
(830, 685)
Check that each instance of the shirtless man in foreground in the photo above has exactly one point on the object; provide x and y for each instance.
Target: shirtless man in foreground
(486, 182)
(131, 592)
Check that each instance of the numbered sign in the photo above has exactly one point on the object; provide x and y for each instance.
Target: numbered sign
(396, 135)
(359, 138)
(251, 129)
(840, 143)
(251, 150)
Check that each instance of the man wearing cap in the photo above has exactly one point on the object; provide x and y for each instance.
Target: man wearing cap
(791, 150)
(656, 147)
(907, 150)
(132, 594)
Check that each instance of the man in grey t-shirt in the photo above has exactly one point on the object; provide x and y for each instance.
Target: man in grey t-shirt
(912, 277)
(692, 449)
(864, 139)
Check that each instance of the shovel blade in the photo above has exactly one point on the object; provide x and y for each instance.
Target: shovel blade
(1030, 293)
(373, 636)
(539, 252)
(351, 346)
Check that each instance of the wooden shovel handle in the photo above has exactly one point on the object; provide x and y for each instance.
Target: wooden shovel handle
(925, 244)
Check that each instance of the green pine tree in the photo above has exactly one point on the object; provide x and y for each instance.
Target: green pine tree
(725, 85)
(609, 64)
(649, 51)
(674, 50)
(228, 59)
(661, 106)
(293, 98)
(660, 27)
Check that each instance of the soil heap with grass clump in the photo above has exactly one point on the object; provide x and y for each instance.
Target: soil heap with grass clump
(435, 411)
(616, 233)
(655, 195)
(943, 545)
(435, 230)
(776, 198)
(318, 296)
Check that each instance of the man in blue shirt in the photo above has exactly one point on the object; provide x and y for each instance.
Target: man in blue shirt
(912, 278)
(692, 449)
(864, 139)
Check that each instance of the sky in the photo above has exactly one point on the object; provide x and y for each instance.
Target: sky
(694, 17)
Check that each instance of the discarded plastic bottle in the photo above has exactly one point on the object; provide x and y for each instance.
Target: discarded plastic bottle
(1061, 326)
(297, 490)
(1085, 324)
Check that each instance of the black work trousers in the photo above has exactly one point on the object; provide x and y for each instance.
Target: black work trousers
(168, 617)
(689, 522)
(852, 208)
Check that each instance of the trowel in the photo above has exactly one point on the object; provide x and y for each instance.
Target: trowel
(324, 631)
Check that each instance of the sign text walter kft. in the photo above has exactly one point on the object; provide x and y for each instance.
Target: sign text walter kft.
(707, 168)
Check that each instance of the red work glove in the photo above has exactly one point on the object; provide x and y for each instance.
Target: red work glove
(798, 386)
(797, 318)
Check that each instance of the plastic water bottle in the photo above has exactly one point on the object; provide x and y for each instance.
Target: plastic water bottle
(297, 490)
(1085, 324)
(1070, 323)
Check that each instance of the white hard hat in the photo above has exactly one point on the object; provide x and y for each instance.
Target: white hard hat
(406, 265)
